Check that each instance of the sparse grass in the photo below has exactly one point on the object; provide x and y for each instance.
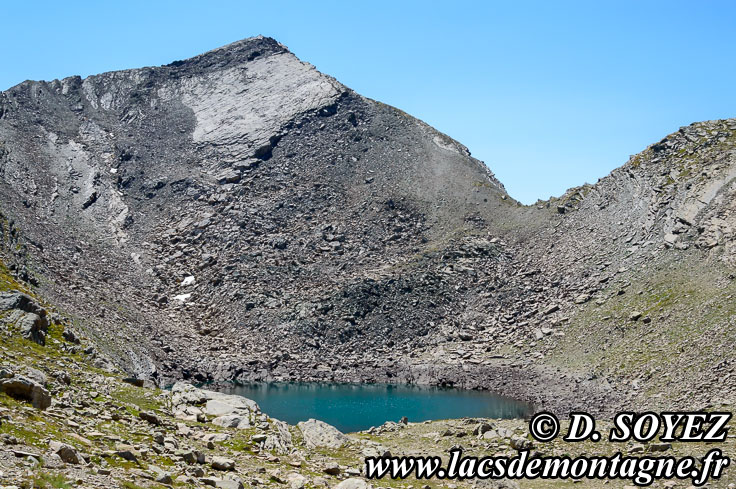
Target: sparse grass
(46, 480)
(692, 324)
(139, 398)
(130, 485)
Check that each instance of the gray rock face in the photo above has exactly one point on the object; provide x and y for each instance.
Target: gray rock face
(26, 389)
(233, 421)
(27, 314)
(33, 327)
(334, 238)
(189, 402)
(320, 434)
(19, 300)
(228, 147)
(281, 441)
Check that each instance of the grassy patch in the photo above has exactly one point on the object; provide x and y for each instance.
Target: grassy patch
(46, 480)
(691, 322)
(140, 398)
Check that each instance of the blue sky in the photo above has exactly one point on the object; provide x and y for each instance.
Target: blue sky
(549, 94)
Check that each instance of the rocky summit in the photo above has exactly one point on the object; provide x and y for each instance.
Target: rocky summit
(241, 216)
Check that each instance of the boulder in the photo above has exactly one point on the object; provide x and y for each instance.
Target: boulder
(320, 434)
(520, 443)
(66, 453)
(215, 437)
(354, 483)
(296, 480)
(222, 483)
(490, 435)
(53, 461)
(126, 452)
(160, 475)
(279, 442)
(21, 301)
(33, 327)
(233, 421)
(150, 417)
(228, 405)
(35, 375)
(228, 484)
(27, 314)
(482, 428)
(23, 388)
(187, 456)
(222, 463)
(188, 402)
(69, 336)
(660, 447)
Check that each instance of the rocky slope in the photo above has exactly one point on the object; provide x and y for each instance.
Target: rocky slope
(240, 215)
(66, 423)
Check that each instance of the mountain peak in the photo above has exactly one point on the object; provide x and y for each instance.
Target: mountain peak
(234, 53)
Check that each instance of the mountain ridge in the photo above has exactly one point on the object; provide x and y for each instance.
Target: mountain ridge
(244, 216)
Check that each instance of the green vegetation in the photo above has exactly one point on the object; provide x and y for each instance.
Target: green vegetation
(46, 480)
(7, 282)
(686, 324)
(137, 398)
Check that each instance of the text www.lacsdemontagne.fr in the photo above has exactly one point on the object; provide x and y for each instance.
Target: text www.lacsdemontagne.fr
(642, 471)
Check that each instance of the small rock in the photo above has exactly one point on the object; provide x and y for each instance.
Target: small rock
(519, 443)
(134, 381)
(126, 452)
(354, 483)
(187, 455)
(659, 447)
(222, 463)
(150, 417)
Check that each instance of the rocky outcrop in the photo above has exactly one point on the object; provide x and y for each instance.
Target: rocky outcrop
(24, 388)
(280, 441)
(320, 434)
(190, 403)
(26, 314)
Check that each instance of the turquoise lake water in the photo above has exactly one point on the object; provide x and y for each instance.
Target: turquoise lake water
(355, 407)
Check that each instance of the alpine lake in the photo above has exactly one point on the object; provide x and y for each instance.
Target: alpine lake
(356, 407)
